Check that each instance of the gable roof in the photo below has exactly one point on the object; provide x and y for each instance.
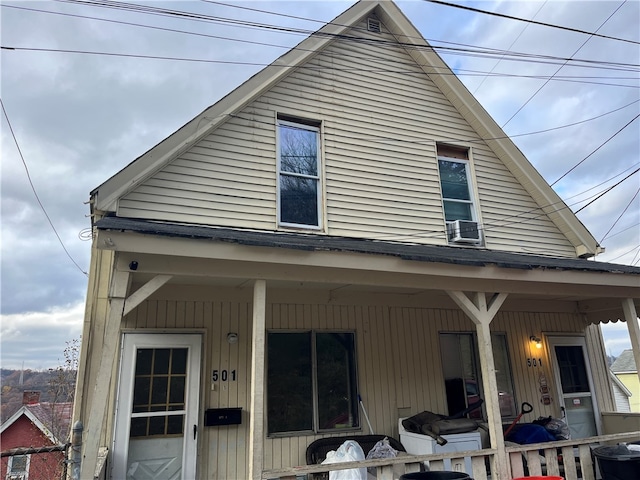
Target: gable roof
(105, 197)
(625, 363)
(44, 415)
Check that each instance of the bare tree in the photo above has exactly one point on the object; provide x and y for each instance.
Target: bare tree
(62, 387)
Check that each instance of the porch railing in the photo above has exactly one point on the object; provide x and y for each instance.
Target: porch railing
(571, 459)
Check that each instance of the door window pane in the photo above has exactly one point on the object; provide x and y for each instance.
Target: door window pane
(573, 374)
(159, 386)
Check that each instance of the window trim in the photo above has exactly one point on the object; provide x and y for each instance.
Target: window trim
(470, 186)
(24, 472)
(286, 120)
(315, 430)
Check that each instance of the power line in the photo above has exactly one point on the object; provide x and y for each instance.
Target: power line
(620, 216)
(572, 79)
(598, 148)
(560, 67)
(468, 50)
(607, 191)
(509, 47)
(33, 188)
(511, 17)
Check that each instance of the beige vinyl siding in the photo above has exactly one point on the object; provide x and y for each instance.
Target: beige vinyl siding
(381, 118)
(398, 354)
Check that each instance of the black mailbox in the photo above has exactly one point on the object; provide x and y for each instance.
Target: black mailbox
(222, 416)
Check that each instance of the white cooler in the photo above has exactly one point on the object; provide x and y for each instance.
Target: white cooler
(419, 444)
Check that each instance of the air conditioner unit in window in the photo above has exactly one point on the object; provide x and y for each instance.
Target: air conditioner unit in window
(16, 476)
(463, 231)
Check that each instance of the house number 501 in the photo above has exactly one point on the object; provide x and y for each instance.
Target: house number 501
(223, 375)
(534, 362)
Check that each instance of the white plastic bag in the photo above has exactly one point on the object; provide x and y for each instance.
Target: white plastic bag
(382, 449)
(349, 451)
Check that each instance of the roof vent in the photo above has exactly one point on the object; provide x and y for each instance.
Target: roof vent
(463, 231)
(373, 25)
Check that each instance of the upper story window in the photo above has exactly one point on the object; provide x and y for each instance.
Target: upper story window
(457, 195)
(299, 188)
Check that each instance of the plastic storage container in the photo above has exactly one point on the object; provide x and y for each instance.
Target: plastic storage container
(618, 462)
(443, 475)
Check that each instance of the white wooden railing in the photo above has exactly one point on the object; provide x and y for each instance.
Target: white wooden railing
(539, 459)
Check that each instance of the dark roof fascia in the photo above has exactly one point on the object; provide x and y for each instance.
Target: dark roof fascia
(467, 256)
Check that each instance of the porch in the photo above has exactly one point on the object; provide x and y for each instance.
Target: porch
(393, 314)
(578, 462)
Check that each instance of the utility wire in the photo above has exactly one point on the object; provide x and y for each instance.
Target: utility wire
(509, 47)
(571, 79)
(620, 216)
(510, 17)
(33, 188)
(561, 66)
(468, 50)
(625, 253)
(598, 148)
(607, 191)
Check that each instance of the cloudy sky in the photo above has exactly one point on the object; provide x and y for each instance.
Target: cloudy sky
(88, 88)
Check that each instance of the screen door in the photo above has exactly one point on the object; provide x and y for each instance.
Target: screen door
(157, 407)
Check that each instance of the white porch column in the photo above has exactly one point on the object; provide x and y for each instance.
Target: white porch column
(256, 409)
(481, 314)
(94, 426)
(631, 317)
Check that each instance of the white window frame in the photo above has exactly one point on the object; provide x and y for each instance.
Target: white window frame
(24, 474)
(470, 186)
(317, 177)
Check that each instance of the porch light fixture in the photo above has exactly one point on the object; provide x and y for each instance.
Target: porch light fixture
(536, 340)
(232, 338)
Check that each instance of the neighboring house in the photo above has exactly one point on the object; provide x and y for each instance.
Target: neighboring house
(35, 425)
(625, 370)
(349, 223)
(621, 394)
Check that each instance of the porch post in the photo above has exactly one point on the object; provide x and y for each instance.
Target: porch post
(631, 317)
(256, 408)
(481, 314)
(95, 424)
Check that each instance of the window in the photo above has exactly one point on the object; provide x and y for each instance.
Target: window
(159, 386)
(18, 467)
(299, 174)
(463, 382)
(311, 382)
(455, 182)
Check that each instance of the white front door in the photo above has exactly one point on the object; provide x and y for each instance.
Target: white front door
(573, 377)
(157, 407)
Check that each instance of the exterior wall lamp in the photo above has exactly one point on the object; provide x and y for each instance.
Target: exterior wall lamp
(232, 338)
(536, 340)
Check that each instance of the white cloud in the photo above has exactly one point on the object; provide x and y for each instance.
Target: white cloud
(37, 339)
